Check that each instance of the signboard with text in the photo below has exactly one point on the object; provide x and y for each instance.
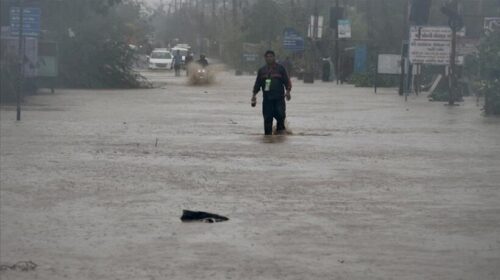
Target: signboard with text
(344, 26)
(31, 21)
(430, 45)
(292, 40)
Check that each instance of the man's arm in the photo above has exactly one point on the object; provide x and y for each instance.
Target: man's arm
(287, 82)
(257, 85)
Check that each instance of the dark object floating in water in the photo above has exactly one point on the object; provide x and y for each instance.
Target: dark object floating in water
(195, 216)
(19, 266)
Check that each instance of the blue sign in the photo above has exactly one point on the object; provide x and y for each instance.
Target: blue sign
(31, 21)
(360, 57)
(292, 40)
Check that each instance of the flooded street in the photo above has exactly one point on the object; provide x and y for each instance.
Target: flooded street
(93, 184)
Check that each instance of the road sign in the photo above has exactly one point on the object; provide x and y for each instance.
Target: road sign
(31, 21)
(292, 40)
(430, 45)
(389, 64)
(344, 26)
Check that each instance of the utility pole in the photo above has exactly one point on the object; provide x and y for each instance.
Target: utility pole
(21, 52)
(337, 54)
(224, 10)
(456, 23)
(453, 75)
(213, 10)
(402, 89)
(235, 11)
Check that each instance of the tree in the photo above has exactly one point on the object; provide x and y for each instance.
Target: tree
(489, 60)
(94, 43)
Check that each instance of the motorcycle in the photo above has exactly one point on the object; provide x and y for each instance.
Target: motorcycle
(200, 75)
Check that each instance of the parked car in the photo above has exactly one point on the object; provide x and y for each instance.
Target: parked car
(160, 59)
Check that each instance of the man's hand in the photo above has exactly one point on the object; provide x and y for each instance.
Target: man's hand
(254, 100)
(288, 95)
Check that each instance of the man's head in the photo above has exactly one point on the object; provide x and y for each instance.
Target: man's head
(270, 57)
(202, 56)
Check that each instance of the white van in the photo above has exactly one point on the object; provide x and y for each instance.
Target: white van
(160, 59)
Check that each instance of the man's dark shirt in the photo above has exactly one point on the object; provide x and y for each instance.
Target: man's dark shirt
(279, 81)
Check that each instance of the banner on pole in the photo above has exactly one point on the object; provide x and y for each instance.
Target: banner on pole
(344, 26)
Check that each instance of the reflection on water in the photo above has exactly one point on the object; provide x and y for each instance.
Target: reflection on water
(271, 139)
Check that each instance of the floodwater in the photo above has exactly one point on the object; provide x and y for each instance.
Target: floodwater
(93, 184)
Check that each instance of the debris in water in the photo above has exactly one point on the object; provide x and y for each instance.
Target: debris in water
(195, 216)
(19, 266)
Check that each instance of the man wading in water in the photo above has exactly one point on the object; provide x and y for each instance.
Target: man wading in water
(273, 79)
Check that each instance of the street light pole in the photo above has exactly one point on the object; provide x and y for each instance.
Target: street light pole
(402, 88)
(455, 22)
(453, 76)
(337, 56)
(21, 60)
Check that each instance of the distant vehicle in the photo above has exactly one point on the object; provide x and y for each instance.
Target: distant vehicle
(199, 75)
(160, 59)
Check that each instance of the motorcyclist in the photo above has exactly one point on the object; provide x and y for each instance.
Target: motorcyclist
(203, 62)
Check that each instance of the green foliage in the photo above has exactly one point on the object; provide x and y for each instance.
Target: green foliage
(261, 22)
(9, 75)
(93, 37)
(368, 80)
(439, 96)
(489, 60)
(98, 55)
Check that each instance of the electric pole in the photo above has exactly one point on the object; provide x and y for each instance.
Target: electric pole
(451, 9)
(235, 11)
(402, 88)
(453, 76)
(21, 52)
(337, 55)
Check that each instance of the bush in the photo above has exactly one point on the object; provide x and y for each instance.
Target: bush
(9, 76)
(491, 91)
(489, 59)
(368, 80)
